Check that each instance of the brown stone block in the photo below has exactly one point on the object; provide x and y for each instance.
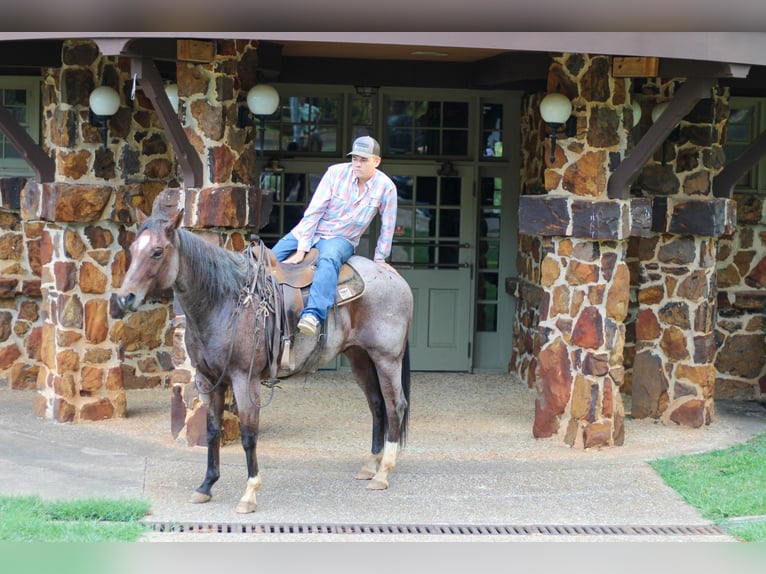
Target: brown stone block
(91, 380)
(582, 394)
(70, 314)
(596, 364)
(33, 343)
(67, 360)
(221, 207)
(649, 384)
(24, 376)
(63, 411)
(588, 176)
(64, 386)
(66, 338)
(74, 164)
(65, 275)
(554, 382)
(29, 311)
(97, 410)
(550, 271)
(690, 413)
(579, 273)
(543, 215)
(31, 288)
(709, 217)
(8, 355)
(602, 220)
(674, 344)
(647, 325)
(675, 313)
(74, 203)
(742, 356)
(618, 299)
(48, 345)
(588, 331)
(92, 279)
(596, 435)
(114, 379)
(97, 355)
(96, 320)
(651, 295)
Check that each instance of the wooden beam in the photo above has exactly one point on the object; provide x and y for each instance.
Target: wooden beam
(32, 152)
(724, 182)
(690, 92)
(151, 82)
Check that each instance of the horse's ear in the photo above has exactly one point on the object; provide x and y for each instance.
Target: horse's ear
(141, 216)
(175, 222)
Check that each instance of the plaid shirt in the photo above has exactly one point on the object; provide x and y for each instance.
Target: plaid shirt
(336, 211)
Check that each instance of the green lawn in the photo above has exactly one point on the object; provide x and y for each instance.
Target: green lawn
(724, 485)
(30, 519)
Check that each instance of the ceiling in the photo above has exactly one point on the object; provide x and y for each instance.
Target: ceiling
(293, 49)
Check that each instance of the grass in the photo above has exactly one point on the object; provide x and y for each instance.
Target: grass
(30, 519)
(724, 485)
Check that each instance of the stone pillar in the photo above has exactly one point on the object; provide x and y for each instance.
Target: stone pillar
(87, 359)
(674, 372)
(584, 276)
(80, 377)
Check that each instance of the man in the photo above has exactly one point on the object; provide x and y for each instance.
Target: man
(343, 206)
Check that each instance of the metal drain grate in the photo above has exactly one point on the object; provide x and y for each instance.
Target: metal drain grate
(434, 529)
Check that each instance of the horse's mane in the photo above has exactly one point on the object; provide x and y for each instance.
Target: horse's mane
(220, 273)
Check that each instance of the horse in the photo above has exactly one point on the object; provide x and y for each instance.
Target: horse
(233, 333)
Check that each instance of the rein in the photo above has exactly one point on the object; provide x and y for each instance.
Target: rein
(261, 286)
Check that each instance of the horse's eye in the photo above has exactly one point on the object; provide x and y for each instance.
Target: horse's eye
(157, 253)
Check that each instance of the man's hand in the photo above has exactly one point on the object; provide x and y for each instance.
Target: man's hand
(295, 258)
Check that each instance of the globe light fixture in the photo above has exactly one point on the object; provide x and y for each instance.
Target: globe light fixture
(556, 111)
(262, 101)
(103, 103)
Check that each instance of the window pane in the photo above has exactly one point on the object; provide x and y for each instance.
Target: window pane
(488, 286)
(456, 114)
(455, 142)
(486, 317)
(492, 123)
(450, 191)
(426, 191)
(295, 188)
(449, 223)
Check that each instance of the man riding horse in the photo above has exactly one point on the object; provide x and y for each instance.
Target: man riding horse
(343, 206)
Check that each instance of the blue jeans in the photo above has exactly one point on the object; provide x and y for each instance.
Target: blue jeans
(333, 253)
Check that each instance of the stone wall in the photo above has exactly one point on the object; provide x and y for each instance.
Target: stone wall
(63, 247)
(741, 267)
(654, 254)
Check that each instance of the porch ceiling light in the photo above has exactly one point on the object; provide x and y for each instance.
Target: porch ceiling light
(556, 110)
(103, 103)
(262, 101)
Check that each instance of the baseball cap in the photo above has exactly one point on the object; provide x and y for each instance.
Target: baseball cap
(365, 146)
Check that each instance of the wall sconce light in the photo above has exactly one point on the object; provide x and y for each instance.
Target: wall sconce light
(556, 110)
(636, 107)
(103, 103)
(262, 101)
(171, 90)
(366, 91)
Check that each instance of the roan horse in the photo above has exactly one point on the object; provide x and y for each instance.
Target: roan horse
(233, 334)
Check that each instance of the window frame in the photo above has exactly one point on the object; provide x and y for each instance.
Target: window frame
(18, 167)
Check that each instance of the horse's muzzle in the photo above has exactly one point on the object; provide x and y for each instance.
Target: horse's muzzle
(125, 303)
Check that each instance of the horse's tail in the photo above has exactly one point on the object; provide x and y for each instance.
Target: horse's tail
(406, 381)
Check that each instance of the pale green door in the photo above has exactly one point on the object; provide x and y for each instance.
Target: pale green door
(433, 250)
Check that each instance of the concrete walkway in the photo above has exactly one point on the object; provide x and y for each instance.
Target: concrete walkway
(470, 460)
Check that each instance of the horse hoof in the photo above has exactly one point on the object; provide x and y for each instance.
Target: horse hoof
(199, 497)
(364, 475)
(244, 507)
(377, 484)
